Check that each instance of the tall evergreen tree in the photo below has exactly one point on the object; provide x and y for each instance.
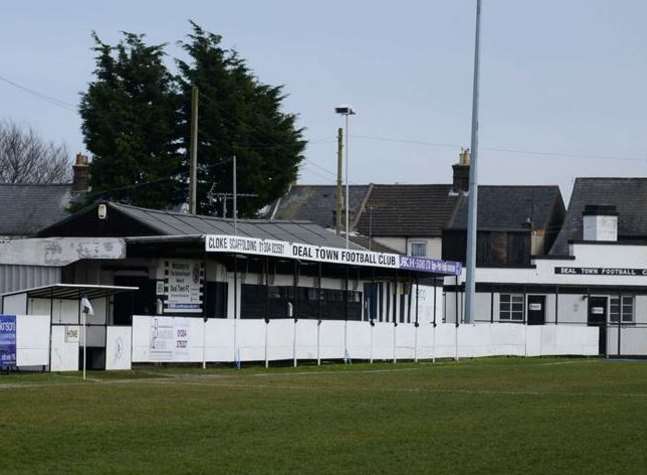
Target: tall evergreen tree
(130, 114)
(237, 115)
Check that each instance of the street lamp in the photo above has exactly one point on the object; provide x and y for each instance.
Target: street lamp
(346, 111)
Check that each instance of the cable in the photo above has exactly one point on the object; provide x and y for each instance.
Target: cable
(308, 161)
(52, 100)
(505, 150)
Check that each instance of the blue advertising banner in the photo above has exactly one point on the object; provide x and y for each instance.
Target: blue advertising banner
(7, 341)
(436, 266)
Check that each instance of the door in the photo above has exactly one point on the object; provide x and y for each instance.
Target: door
(536, 309)
(598, 317)
(128, 304)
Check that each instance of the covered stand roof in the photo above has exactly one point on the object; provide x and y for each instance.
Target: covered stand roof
(131, 221)
(152, 230)
(73, 291)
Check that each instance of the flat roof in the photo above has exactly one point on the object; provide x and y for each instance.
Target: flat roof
(72, 291)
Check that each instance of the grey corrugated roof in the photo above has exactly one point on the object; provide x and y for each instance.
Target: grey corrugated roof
(510, 208)
(407, 210)
(24, 209)
(316, 203)
(172, 224)
(628, 195)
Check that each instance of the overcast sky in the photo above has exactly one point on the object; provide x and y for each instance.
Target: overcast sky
(563, 79)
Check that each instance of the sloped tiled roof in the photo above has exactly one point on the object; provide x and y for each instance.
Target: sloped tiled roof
(169, 223)
(407, 210)
(24, 209)
(628, 195)
(316, 203)
(510, 208)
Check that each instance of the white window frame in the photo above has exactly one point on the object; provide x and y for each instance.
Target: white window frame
(418, 243)
(506, 313)
(626, 308)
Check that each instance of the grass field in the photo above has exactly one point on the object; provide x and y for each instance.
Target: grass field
(495, 415)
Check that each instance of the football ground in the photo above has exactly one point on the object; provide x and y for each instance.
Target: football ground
(493, 415)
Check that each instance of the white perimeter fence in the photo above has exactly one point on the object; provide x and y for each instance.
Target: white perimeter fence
(181, 339)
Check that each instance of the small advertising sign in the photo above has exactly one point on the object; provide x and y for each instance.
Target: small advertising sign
(7, 341)
(71, 334)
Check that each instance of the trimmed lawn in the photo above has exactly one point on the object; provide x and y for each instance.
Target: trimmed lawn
(493, 415)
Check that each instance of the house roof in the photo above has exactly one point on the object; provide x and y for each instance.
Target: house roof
(510, 208)
(407, 210)
(24, 209)
(125, 220)
(315, 203)
(628, 195)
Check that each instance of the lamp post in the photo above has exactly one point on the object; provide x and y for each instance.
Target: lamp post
(346, 111)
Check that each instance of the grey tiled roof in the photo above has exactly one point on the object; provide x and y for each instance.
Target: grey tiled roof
(628, 195)
(407, 210)
(153, 222)
(24, 209)
(316, 203)
(510, 208)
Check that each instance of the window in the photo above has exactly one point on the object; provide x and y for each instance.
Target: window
(511, 307)
(621, 306)
(419, 249)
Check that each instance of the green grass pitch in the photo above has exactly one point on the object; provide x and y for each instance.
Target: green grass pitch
(493, 415)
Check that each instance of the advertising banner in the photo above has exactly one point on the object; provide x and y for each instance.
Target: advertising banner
(169, 339)
(7, 341)
(435, 266)
(307, 252)
(334, 255)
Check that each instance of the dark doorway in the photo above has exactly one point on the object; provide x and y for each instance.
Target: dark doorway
(128, 304)
(598, 317)
(536, 309)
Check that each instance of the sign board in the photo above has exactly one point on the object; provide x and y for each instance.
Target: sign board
(7, 341)
(183, 284)
(308, 252)
(71, 334)
(597, 310)
(534, 307)
(603, 271)
(169, 339)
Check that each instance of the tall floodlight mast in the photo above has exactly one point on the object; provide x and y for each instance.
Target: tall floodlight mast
(470, 278)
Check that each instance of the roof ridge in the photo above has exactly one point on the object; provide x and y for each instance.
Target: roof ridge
(205, 216)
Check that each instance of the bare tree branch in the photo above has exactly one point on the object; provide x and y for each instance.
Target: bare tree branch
(26, 158)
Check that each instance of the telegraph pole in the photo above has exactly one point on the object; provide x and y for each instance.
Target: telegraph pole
(470, 278)
(340, 198)
(235, 200)
(193, 163)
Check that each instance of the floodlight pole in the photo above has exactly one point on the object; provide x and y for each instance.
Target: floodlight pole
(347, 185)
(470, 278)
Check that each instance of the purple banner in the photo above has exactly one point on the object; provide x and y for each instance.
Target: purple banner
(435, 266)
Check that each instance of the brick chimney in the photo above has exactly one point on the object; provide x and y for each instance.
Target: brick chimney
(461, 169)
(80, 174)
